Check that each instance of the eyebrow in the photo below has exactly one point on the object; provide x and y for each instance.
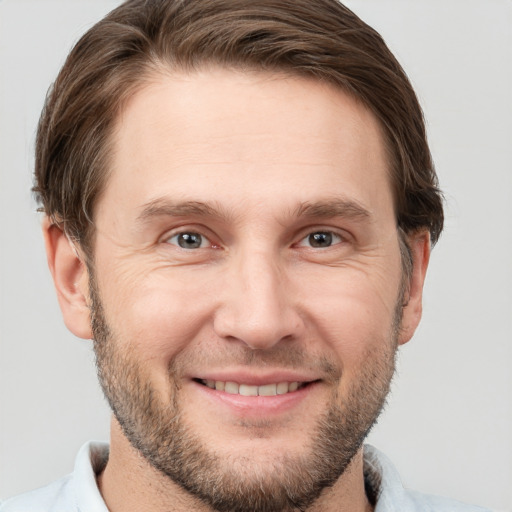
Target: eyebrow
(337, 207)
(164, 207)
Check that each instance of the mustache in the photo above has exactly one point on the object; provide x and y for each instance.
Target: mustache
(281, 356)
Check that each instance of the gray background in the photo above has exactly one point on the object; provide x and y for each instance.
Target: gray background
(448, 427)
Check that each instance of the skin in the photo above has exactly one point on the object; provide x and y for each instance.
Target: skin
(259, 150)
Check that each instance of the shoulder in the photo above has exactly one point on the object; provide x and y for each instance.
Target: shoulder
(55, 497)
(428, 503)
(384, 485)
(73, 493)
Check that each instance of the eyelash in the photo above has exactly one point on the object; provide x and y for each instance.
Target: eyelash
(190, 233)
(331, 237)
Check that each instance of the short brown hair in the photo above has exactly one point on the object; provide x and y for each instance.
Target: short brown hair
(320, 39)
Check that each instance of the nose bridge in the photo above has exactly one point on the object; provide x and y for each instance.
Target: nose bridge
(261, 281)
(257, 308)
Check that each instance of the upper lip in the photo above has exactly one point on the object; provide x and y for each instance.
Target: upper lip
(255, 378)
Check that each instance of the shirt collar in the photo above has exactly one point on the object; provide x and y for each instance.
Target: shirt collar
(382, 481)
(90, 461)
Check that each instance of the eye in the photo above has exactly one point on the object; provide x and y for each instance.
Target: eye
(189, 240)
(321, 239)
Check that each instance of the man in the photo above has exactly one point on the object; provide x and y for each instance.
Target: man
(240, 204)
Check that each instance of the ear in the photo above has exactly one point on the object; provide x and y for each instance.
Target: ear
(70, 277)
(419, 245)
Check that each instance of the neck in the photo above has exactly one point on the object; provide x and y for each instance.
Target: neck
(130, 484)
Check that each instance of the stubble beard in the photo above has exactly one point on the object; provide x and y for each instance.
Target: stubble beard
(290, 482)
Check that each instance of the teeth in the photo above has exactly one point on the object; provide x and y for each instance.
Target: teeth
(282, 388)
(230, 387)
(267, 390)
(247, 390)
(233, 388)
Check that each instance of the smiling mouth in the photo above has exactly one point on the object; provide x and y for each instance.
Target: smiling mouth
(234, 388)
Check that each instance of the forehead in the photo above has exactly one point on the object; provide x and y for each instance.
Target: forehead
(229, 136)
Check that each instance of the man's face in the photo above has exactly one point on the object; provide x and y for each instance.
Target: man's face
(246, 245)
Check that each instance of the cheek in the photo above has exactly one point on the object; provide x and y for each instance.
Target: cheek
(353, 311)
(158, 313)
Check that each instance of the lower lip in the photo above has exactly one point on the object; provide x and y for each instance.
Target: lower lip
(257, 406)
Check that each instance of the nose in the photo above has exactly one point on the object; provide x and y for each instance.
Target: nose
(257, 305)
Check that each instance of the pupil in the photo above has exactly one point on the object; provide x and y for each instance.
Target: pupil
(320, 239)
(189, 240)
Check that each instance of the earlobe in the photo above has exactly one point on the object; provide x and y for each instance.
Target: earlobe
(70, 277)
(419, 244)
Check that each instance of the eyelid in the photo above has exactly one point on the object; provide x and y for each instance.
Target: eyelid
(342, 236)
(337, 239)
(203, 232)
(205, 242)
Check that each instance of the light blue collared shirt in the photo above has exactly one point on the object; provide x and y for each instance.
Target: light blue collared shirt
(78, 492)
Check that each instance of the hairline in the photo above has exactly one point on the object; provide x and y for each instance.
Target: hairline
(157, 69)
